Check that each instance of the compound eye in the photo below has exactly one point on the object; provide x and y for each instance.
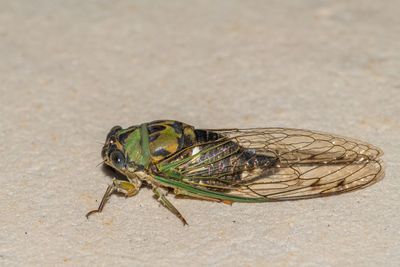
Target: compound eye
(117, 159)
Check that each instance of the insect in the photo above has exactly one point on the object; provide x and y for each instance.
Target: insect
(235, 165)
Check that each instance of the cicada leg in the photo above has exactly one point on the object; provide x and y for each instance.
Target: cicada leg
(160, 196)
(127, 188)
(185, 194)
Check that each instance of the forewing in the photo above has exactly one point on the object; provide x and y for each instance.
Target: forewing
(302, 146)
(310, 164)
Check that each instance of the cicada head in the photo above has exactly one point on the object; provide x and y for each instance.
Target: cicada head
(112, 152)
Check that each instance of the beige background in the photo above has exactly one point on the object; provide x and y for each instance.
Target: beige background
(70, 70)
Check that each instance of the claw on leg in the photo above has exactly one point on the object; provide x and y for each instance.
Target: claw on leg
(110, 190)
(127, 188)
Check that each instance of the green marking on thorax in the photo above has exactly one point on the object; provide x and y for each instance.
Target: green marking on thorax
(145, 145)
(137, 146)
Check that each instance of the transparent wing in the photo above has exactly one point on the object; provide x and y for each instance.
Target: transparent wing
(302, 164)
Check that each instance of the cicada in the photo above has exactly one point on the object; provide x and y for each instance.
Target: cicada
(235, 165)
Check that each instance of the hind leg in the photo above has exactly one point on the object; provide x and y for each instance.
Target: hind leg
(179, 193)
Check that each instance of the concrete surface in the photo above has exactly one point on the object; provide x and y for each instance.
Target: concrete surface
(70, 70)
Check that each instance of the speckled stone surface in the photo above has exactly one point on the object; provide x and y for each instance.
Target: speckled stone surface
(70, 70)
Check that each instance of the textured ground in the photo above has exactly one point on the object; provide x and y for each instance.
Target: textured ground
(70, 70)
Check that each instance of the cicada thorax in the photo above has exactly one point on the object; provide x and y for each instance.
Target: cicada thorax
(169, 137)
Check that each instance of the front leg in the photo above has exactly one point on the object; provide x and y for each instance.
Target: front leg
(160, 196)
(118, 186)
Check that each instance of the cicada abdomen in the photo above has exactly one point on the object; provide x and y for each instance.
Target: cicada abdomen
(213, 160)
